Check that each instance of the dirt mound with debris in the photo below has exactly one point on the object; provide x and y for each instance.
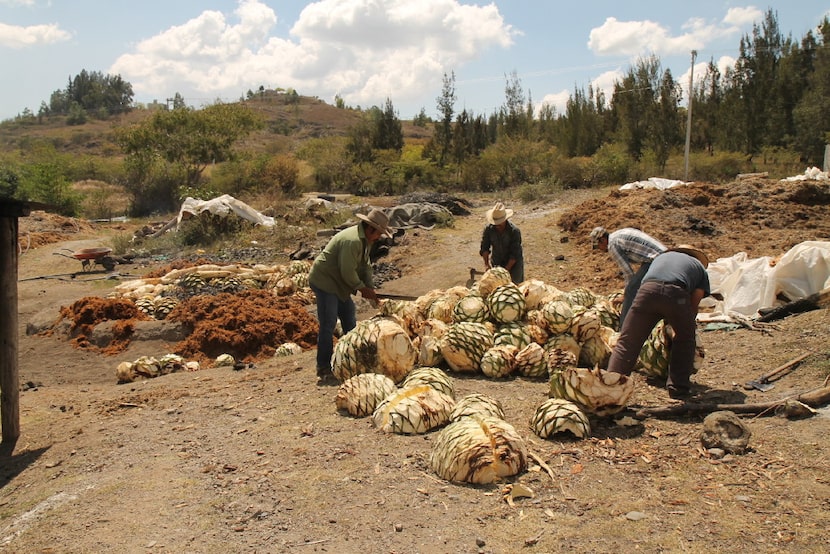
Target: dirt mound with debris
(41, 228)
(761, 217)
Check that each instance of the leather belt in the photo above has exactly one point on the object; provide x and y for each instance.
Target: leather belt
(680, 285)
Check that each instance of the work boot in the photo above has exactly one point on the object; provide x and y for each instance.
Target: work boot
(677, 393)
(325, 378)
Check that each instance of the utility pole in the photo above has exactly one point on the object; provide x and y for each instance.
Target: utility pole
(689, 118)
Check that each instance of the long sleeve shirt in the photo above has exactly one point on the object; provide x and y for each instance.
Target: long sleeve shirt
(503, 247)
(343, 266)
(631, 246)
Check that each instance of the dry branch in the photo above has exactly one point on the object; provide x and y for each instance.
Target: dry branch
(815, 301)
(814, 398)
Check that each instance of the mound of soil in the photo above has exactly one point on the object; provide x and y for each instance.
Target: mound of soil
(41, 228)
(761, 217)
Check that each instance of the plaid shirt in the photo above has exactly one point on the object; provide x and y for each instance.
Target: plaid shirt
(631, 246)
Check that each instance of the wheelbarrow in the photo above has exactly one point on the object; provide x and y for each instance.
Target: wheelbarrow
(90, 256)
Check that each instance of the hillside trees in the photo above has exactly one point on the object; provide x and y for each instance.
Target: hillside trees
(516, 112)
(168, 152)
(634, 104)
(812, 113)
(378, 130)
(442, 134)
(92, 93)
(581, 128)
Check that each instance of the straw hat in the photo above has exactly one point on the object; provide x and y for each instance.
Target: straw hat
(498, 214)
(693, 252)
(377, 219)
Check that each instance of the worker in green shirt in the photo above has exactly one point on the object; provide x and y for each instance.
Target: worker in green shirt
(342, 269)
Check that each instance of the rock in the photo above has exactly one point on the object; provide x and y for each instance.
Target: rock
(151, 330)
(724, 430)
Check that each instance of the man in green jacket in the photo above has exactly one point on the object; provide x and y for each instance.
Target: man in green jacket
(339, 271)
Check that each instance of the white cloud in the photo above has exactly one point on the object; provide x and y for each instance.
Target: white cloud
(363, 50)
(634, 38)
(743, 16)
(637, 38)
(557, 100)
(605, 82)
(18, 2)
(13, 36)
(723, 64)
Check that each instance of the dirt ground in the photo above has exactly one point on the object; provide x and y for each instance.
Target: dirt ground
(259, 460)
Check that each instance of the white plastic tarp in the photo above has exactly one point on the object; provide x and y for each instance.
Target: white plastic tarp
(222, 206)
(653, 183)
(810, 174)
(750, 284)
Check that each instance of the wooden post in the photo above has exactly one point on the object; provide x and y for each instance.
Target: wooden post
(9, 380)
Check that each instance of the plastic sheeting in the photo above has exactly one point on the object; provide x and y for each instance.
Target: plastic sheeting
(750, 284)
(653, 183)
(222, 206)
(810, 174)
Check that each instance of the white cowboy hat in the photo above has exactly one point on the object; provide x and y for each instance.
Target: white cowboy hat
(377, 219)
(498, 214)
(690, 250)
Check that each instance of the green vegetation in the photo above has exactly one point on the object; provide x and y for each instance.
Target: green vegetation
(771, 113)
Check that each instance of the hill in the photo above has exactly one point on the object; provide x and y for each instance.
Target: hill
(287, 122)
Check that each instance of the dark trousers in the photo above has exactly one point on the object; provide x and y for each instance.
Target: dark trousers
(656, 301)
(329, 309)
(631, 288)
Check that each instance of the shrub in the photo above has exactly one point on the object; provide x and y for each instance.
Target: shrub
(571, 173)
(282, 171)
(610, 165)
(719, 167)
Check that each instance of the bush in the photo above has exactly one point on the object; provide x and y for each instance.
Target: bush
(571, 173)
(718, 167)
(206, 228)
(610, 165)
(282, 171)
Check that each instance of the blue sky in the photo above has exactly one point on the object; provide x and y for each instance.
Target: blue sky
(367, 50)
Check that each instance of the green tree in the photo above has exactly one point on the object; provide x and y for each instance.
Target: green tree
(172, 148)
(580, 130)
(516, 120)
(751, 91)
(812, 113)
(442, 136)
(360, 138)
(9, 181)
(178, 102)
(388, 133)
(329, 158)
(421, 119)
(664, 133)
(77, 114)
(706, 101)
(633, 104)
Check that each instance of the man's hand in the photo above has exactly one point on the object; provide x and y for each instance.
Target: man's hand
(369, 294)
